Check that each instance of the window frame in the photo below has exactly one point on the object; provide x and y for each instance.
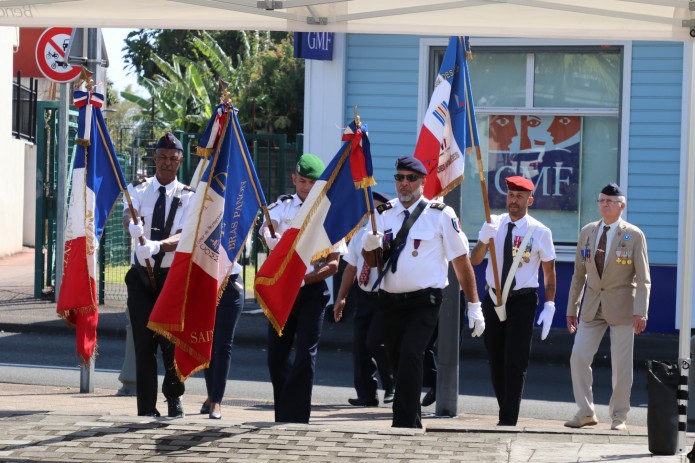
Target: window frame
(565, 252)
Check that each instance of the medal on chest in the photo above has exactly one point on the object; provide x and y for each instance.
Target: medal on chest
(586, 252)
(416, 245)
(527, 252)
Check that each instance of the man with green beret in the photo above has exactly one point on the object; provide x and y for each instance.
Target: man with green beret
(293, 379)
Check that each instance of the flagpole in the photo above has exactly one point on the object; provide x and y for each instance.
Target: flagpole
(486, 201)
(370, 210)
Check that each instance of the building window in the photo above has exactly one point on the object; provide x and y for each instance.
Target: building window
(551, 114)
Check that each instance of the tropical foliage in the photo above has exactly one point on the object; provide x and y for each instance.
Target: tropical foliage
(265, 82)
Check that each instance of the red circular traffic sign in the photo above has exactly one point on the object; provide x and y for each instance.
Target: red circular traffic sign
(51, 55)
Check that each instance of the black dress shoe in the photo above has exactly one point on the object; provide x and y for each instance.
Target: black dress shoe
(505, 423)
(389, 396)
(430, 397)
(366, 402)
(205, 408)
(175, 407)
(154, 414)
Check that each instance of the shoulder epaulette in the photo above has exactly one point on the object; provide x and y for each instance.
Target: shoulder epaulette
(139, 181)
(188, 188)
(285, 198)
(281, 199)
(437, 205)
(384, 207)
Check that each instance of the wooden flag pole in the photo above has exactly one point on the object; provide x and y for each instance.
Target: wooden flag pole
(486, 201)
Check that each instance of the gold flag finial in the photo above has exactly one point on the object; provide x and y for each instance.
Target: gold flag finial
(86, 79)
(225, 97)
(358, 122)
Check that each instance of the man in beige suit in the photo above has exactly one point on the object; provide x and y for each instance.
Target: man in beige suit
(611, 270)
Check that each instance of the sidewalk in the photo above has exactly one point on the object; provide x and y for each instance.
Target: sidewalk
(54, 424)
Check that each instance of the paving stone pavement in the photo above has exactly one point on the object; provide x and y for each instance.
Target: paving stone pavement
(59, 424)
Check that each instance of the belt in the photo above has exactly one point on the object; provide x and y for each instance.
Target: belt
(518, 292)
(405, 296)
(368, 294)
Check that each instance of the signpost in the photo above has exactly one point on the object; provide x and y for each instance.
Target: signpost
(51, 55)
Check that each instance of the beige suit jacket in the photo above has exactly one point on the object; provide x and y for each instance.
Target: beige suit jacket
(623, 290)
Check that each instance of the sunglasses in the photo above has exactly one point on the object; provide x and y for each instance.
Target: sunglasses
(410, 177)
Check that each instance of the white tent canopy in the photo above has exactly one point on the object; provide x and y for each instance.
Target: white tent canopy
(585, 19)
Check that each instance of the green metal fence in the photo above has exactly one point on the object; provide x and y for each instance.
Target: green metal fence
(273, 155)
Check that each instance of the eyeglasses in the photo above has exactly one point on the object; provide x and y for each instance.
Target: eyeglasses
(410, 177)
(607, 201)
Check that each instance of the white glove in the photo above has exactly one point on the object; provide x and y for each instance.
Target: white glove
(489, 230)
(148, 249)
(476, 321)
(269, 240)
(136, 231)
(546, 318)
(372, 241)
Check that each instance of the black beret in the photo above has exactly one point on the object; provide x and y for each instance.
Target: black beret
(612, 190)
(169, 141)
(383, 197)
(411, 163)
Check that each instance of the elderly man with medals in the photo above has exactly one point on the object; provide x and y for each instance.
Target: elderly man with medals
(615, 286)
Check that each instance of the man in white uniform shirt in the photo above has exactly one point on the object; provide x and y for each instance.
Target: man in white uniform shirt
(508, 342)
(293, 380)
(160, 203)
(410, 284)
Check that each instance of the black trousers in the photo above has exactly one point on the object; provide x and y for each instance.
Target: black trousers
(227, 315)
(368, 351)
(141, 300)
(408, 326)
(293, 380)
(508, 347)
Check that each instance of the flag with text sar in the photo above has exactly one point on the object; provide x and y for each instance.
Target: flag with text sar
(97, 181)
(449, 125)
(220, 218)
(334, 209)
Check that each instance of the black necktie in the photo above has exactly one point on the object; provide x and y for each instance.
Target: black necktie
(157, 227)
(508, 258)
(600, 258)
(397, 252)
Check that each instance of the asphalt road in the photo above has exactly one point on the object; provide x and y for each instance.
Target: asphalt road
(49, 360)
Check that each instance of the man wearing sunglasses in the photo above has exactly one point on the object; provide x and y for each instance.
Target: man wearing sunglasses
(611, 270)
(414, 272)
(523, 245)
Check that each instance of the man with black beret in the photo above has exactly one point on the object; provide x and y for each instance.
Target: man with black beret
(293, 380)
(368, 351)
(161, 203)
(611, 271)
(523, 244)
(418, 237)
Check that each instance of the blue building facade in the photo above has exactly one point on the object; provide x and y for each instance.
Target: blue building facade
(624, 100)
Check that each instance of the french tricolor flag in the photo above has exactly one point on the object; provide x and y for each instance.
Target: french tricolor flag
(445, 132)
(220, 218)
(333, 210)
(97, 181)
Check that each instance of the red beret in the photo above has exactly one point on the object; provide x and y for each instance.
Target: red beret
(517, 183)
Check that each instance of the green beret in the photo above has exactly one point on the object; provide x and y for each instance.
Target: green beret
(310, 166)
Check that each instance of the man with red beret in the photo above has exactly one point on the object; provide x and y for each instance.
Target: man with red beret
(522, 244)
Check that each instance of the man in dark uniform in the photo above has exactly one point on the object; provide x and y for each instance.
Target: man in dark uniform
(414, 273)
(293, 381)
(368, 351)
(508, 339)
(160, 204)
